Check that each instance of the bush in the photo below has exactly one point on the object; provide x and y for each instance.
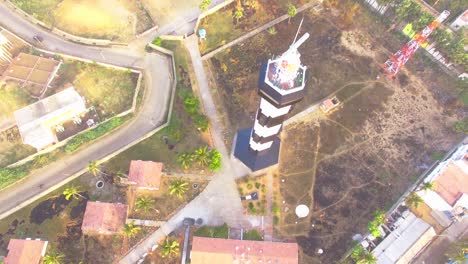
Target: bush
(275, 220)
(257, 185)
(221, 231)
(249, 186)
(252, 235)
(9, 176)
(157, 41)
(92, 134)
(201, 122)
(213, 231)
(251, 205)
(215, 160)
(192, 105)
(275, 209)
(461, 126)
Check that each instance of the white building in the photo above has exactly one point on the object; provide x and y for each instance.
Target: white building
(36, 121)
(461, 21)
(409, 237)
(450, 195)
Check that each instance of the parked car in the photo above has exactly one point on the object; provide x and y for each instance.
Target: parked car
(38, 38)
(252, 196)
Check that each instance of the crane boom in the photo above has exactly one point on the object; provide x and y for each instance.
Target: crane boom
(393, 65)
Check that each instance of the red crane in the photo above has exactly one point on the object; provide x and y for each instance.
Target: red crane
(399, 59)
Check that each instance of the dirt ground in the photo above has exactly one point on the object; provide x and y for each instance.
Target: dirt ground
(378, 141)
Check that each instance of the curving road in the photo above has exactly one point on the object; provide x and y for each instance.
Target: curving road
(157, 72)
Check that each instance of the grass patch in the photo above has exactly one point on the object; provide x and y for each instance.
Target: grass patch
(38, 9)
(437, 155)
(252, 235)
(213, 231)
(9, 176)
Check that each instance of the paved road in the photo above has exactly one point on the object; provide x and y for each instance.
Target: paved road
(157, 70)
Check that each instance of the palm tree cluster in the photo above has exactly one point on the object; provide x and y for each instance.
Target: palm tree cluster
(413, 199)
(53, 257)
(130, 230)
(363, 256)
(72, 192)
(144, 203)
(202, 156)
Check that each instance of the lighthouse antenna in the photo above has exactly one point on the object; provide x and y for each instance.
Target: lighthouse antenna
(298, 29)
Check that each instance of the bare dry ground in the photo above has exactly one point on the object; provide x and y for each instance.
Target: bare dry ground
(363, 156)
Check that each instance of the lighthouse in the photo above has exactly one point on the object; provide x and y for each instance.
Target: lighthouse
(281, 84)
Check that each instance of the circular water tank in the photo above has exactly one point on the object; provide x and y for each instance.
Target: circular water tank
(302, 210)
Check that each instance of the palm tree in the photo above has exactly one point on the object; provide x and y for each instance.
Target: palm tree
(362, 256)
(93, 167)
(185, 160)
(169, 247)
(53, 257)
(202, 155)
(427, 186)
(413, 200)
(178, 188)
(144, 203)
(292, 12)
(130, 230)
(239, 13)
(72, 192)
(272, 31)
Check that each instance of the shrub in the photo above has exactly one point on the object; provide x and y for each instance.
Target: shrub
(92, 134)
(157, 41)
(251, 205)
(461, 126)
(437, 155)
(192, 105)
(9, 176)
(275, 220)
(275, 209)
(252, 235)
(221, 231)
(249, 186)
(257, 185)
(215, 160)
(201, 122)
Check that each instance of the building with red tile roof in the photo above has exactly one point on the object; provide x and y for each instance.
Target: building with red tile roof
(218, 250)
(27, 251)
(145, 174)
(104, 218)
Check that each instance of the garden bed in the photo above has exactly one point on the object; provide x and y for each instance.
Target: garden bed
(249, 185)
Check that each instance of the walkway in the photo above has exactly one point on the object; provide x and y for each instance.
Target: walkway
(220, 202)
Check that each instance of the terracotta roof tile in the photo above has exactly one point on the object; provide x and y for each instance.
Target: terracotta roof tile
(104, 218)
(216, 250)
(146, 174)
(25, 251)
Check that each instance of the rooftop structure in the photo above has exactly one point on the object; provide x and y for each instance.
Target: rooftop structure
(104, 218)
(217, 250)
(35, 121)
(145, 174)
(410, 236)
(461, 21)
(25, 251)
(450, 178)
(31, 69)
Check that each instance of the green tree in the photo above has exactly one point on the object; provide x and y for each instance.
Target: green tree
(441, 37)
(215, 160)
(169, 248)
(72, 192)
(272, 31)
(408, 10)
(144, 203)
(178, 188)
(53, 257)
(362, 256)
(202, 156)
(204, 5)
(130, 230)
(461, 126)
(292, 12)
(413, 199)
(239, 13)
(456, 51)
(185, 160)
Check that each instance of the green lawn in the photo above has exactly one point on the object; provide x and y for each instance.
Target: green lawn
(213, 231)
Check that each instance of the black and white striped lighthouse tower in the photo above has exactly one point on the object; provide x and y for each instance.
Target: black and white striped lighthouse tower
(281, 84)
